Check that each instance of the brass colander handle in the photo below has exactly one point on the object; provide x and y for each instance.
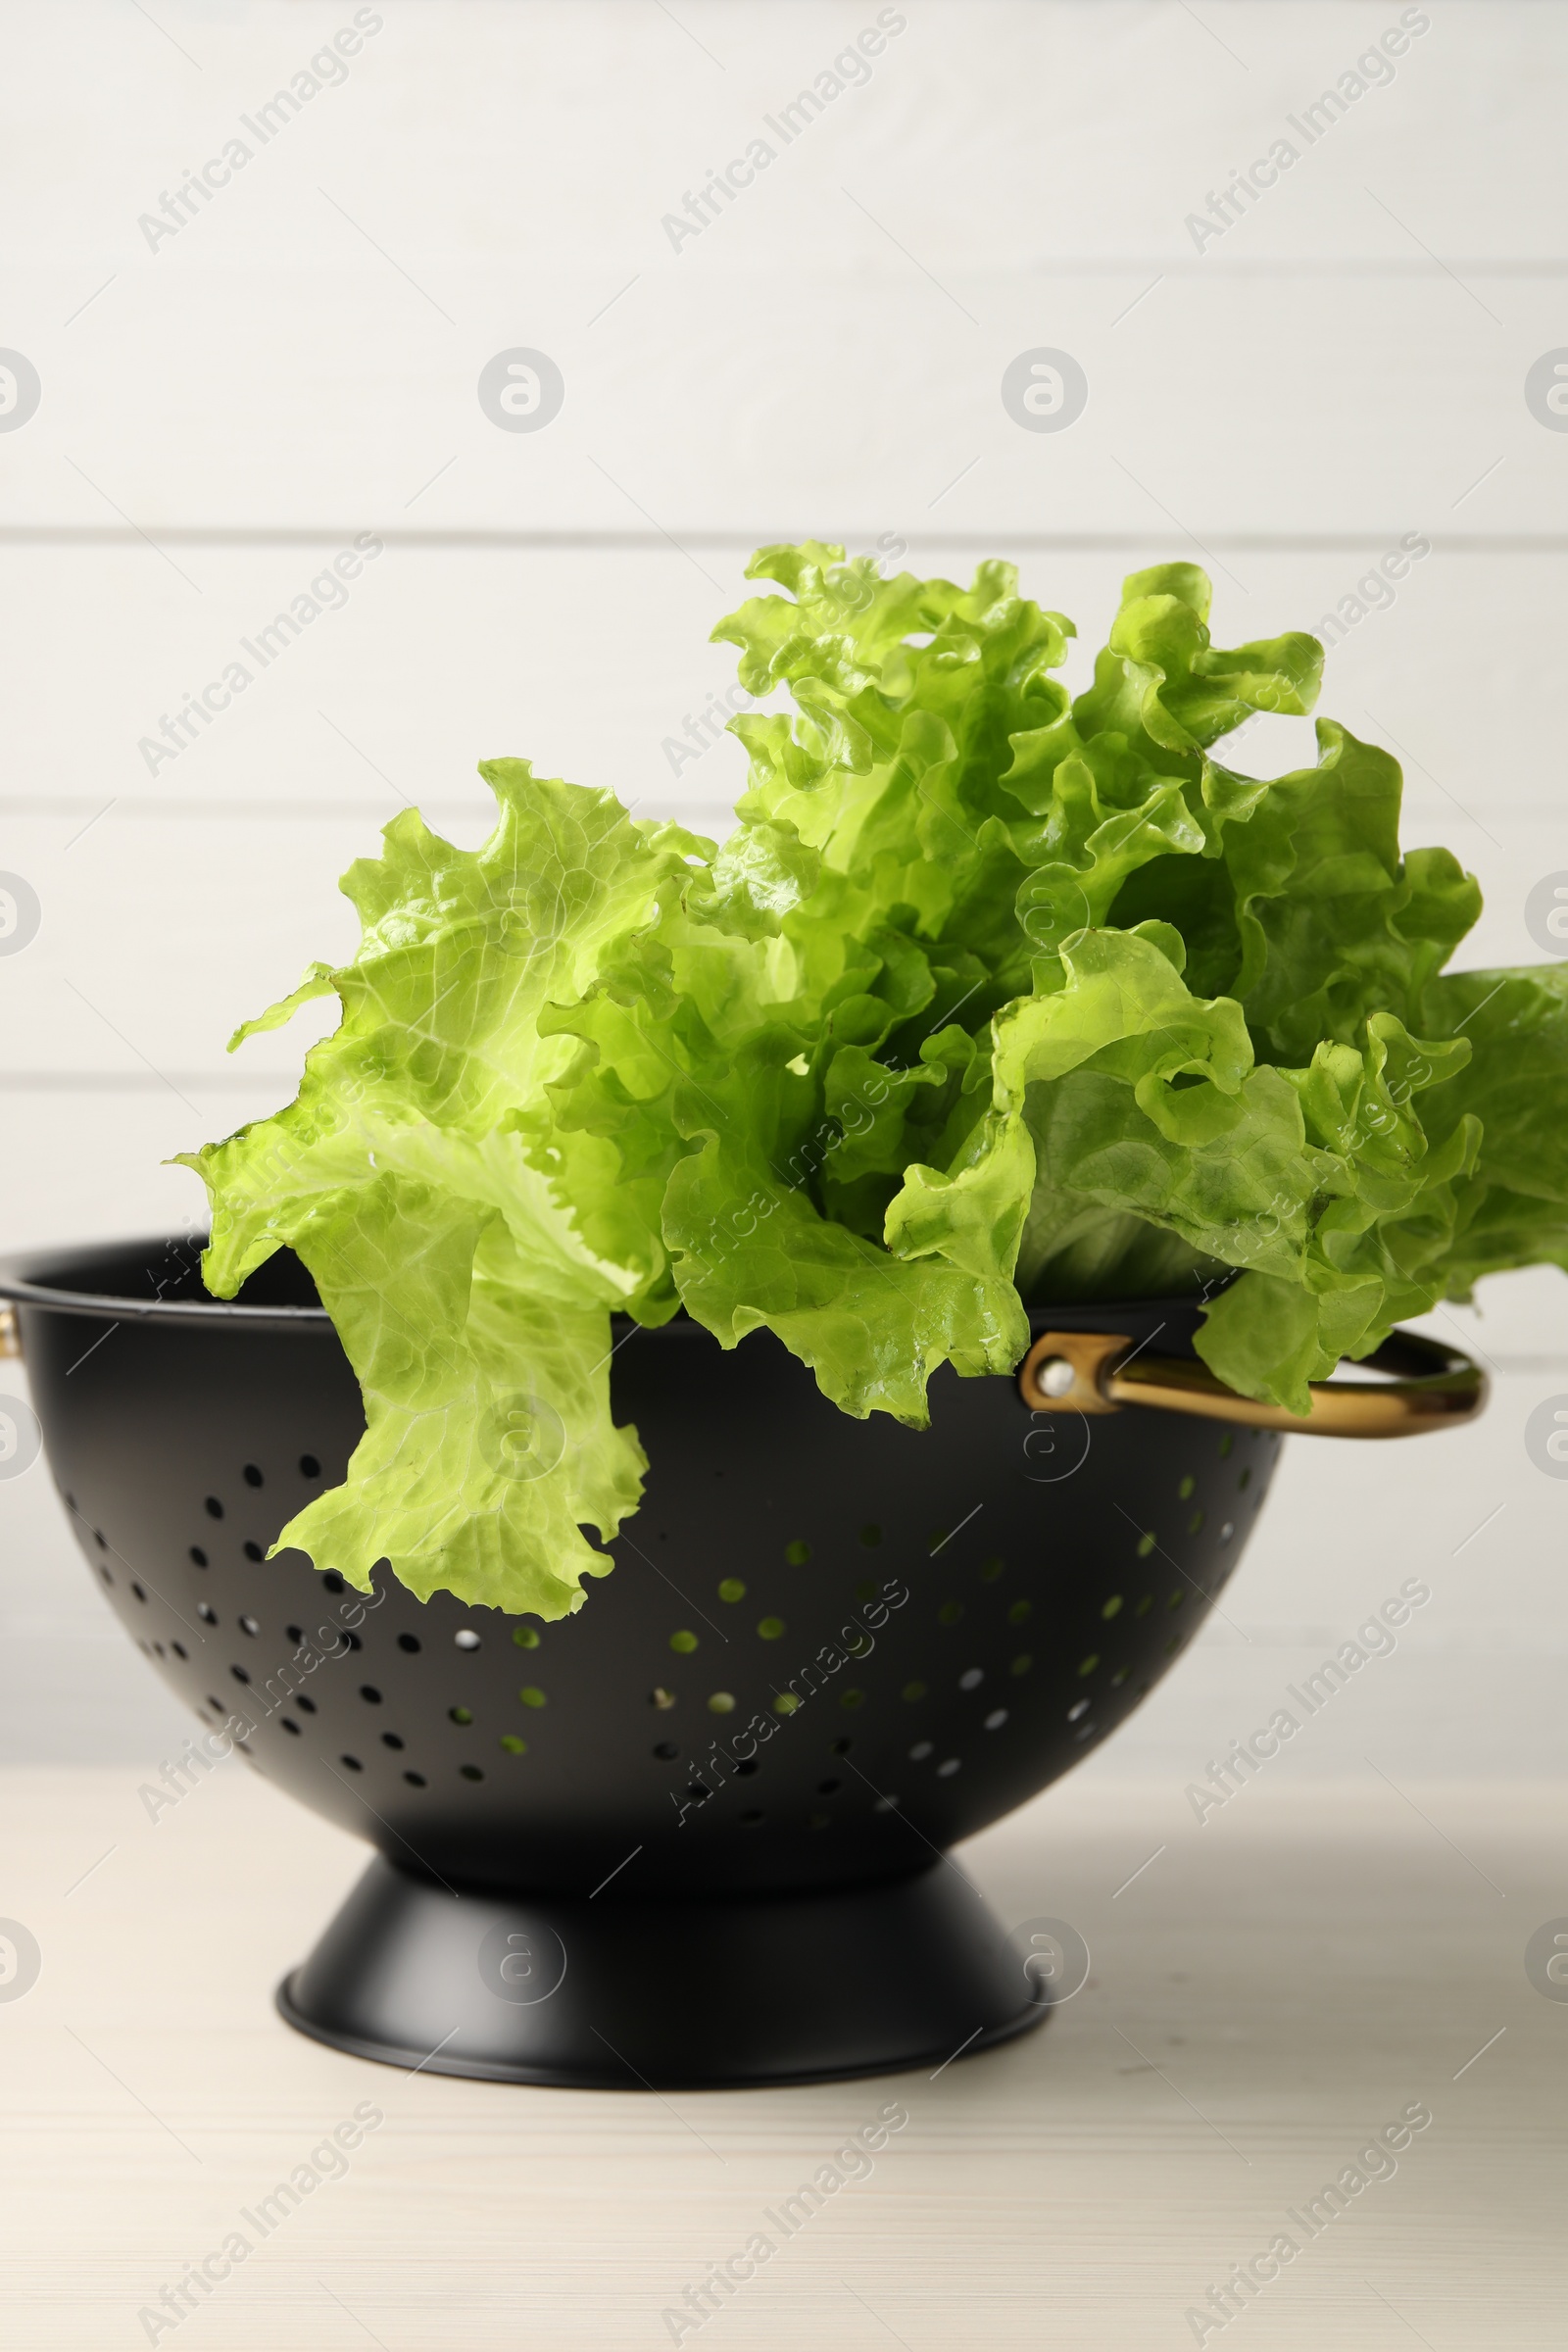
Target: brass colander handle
(1430, 1386)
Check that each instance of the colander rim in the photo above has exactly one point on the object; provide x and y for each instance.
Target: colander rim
(34, 1278)
(31, 1278)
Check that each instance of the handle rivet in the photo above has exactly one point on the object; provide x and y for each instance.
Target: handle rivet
(1054, 1377)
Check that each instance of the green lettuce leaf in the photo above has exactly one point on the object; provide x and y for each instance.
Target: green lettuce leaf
(996, 997)
(412, 1176)
(1515, 1085)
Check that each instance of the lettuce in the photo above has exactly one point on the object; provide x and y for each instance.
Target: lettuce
(995, 996)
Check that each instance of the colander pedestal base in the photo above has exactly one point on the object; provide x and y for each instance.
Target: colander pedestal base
(617, 1992)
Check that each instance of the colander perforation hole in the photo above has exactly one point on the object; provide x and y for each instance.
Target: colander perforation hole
(416, 1780)
(996, 1719)
(139, 1592)
(250, 1626)
(240, 1674)
(466, 1638)
(214, 1509)
(371, 1694)
(303, 1701)
(351, 1763)
(309, 1467)
(253, 1551)
(179, 1649)
(104, 1573)
(289, 1725)
(409, 1642)
(252, 1476)
(471, 1772)
(668, 1753)
(198, 1555)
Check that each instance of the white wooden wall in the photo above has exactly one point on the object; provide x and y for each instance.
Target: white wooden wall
(225, 408)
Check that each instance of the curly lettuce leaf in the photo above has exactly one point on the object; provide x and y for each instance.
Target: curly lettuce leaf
(1122, 1094)
(995, 995)
(1514, 1084)
(735, 1083)
(411, 1177)
(1180, 1147)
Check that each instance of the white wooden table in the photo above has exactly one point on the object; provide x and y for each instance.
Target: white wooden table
(1268, 1994)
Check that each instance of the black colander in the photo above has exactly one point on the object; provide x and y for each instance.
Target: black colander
(697, 1833)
